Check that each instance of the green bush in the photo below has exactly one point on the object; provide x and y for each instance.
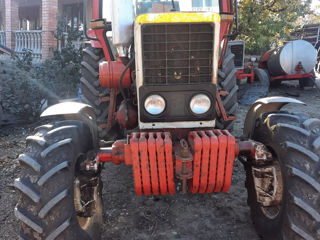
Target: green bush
(61, 74)
(20, 93)
(23, 84)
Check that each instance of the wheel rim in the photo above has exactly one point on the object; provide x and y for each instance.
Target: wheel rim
(273, 210)
(88, 218)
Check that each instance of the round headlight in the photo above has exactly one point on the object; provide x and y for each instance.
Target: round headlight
(154, 104)
(200, 104)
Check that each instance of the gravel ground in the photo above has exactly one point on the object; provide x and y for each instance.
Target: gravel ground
(126, 216)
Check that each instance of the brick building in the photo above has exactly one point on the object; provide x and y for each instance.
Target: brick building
(29, 23)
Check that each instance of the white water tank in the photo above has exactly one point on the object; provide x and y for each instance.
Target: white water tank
(283, 60)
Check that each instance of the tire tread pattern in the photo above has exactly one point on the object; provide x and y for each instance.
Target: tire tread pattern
(45, 207)
(295, 140)
(227, 82)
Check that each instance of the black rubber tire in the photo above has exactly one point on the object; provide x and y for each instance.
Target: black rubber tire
(295, 141)
(227, 82)
(262, 77)
(46, 206)
(92, 92)
(306, 82)
(275, 84)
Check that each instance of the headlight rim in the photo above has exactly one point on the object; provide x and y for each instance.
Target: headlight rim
(210, 107)
(150, 114)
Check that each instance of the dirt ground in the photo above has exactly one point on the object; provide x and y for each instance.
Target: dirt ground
(126, 216)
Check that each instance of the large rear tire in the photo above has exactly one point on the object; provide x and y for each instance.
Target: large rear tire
(94, 94)
(52, 205)
(294, 141)
(227, 82)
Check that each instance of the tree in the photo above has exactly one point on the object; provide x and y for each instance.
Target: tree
(264, 23)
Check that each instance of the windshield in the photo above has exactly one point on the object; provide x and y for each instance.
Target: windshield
(160, 6)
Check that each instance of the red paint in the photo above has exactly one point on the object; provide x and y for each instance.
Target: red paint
(161, 164)
(221, 112)
(127, 116)
(223, 142)
(225, 28)
(245, 148)
(134, 144)
(229, 160)
(95, 9)
(196, 144)
(144, 163)
(169, 163)
(153, 164)
(214, 146)
(291, 76)
(214, 154)
(264, 59)
(207, 165)
(226, 6)
(100, 33)
(242, 75)
(92, 34)
(110, 73)
(204, 162)
(114, 154)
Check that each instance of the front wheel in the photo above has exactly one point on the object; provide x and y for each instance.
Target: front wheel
(57, 198)
(292, 181)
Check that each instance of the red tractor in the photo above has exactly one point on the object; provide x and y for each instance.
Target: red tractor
(159, 98)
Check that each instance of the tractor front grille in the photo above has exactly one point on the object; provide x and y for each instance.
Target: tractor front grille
(177, 53)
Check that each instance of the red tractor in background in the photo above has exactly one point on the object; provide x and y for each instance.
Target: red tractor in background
(160, 97)
(295, 60)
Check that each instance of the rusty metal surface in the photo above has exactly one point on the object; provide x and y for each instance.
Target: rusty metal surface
(112, 107)
(127, 115)
(221, 112)
(268, 184)
(183, 163)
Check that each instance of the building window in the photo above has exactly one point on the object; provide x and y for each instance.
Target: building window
(74, 15)
(205, 5)
(208, 3)
(29, 18)
(197, 3)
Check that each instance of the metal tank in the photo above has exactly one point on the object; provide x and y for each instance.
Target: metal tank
(284, 60)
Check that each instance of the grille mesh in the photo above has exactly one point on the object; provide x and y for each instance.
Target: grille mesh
(177, 53)
(237, 50)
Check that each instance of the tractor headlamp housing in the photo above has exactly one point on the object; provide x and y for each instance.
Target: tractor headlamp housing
(155, 104)
(200, 104)
(171, 103)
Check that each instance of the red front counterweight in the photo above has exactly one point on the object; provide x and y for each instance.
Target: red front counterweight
(206, 164)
